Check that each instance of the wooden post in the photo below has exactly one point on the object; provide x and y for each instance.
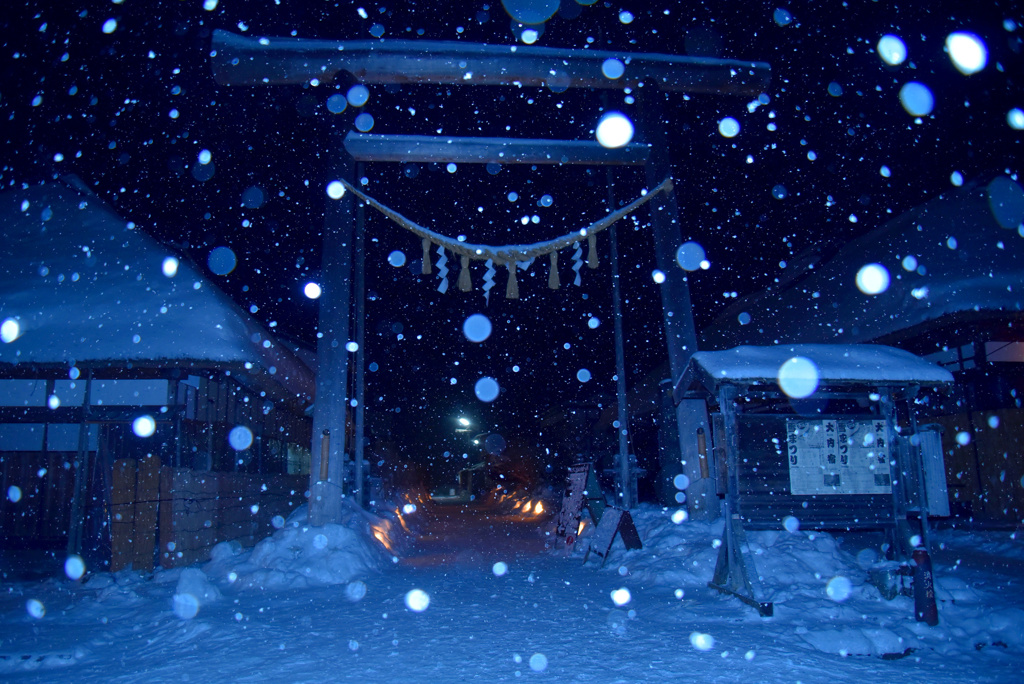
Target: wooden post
(360, 321)
(677, 308)
(81, 486)
(330, 410)
(624, 468)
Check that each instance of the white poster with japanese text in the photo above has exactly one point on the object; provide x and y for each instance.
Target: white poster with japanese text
(848, 456)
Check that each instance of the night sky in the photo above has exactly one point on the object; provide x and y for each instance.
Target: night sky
(129, 112)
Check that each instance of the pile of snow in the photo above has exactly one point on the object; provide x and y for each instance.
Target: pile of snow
(821, 590)
(299, 555)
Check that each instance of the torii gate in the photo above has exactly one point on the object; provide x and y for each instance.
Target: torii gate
(241, 61)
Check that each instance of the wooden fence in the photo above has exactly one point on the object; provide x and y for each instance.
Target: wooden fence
(174, 517)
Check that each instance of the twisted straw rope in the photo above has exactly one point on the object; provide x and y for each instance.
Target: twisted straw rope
(508, 253)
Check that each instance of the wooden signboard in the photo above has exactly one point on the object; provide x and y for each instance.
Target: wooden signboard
(615, 520)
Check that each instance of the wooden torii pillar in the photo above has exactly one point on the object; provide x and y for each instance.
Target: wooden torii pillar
(242, 61)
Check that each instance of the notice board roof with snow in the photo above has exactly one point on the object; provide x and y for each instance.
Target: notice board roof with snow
(83, 286)
(835, 365)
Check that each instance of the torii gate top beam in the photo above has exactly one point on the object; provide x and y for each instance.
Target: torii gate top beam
(238, 60)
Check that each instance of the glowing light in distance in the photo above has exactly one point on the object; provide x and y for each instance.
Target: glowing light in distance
(312, 290)
(891, 49)
(614, 130)
(798, 377)
(464, 422)
(144, 426)
(967, 51)
(873, 279)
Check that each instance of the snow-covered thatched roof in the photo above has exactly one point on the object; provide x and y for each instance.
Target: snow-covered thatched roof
(958, 253)
(84, 287)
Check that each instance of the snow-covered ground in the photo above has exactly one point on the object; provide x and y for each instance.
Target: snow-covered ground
(330, 604)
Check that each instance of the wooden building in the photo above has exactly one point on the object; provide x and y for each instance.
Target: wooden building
(126, 378)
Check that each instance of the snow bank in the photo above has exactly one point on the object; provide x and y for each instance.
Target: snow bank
(299, 555)
(820, 587)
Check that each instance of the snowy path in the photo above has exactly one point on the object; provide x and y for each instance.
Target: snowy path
(480, 627)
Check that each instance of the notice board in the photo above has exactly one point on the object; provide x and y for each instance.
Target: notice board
(838, 456)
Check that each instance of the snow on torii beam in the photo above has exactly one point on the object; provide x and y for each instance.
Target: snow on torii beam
(374, 147)
(241, 61)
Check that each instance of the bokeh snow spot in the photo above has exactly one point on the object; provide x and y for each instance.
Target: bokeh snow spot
(335, 189)
(486, 389)
(690, 255)
(240, 438)
(614, 130)
(967, 51)
(701, 641)
(839, 588)
(355, 591)
(477, 328)
(74, 567)
(35, 608)
(499, 569)
(417, 600)
(872, 279)
(892, 49)
(798, 377)
(144, 426)
(729, 127)
(917, 99)
(9, 330)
